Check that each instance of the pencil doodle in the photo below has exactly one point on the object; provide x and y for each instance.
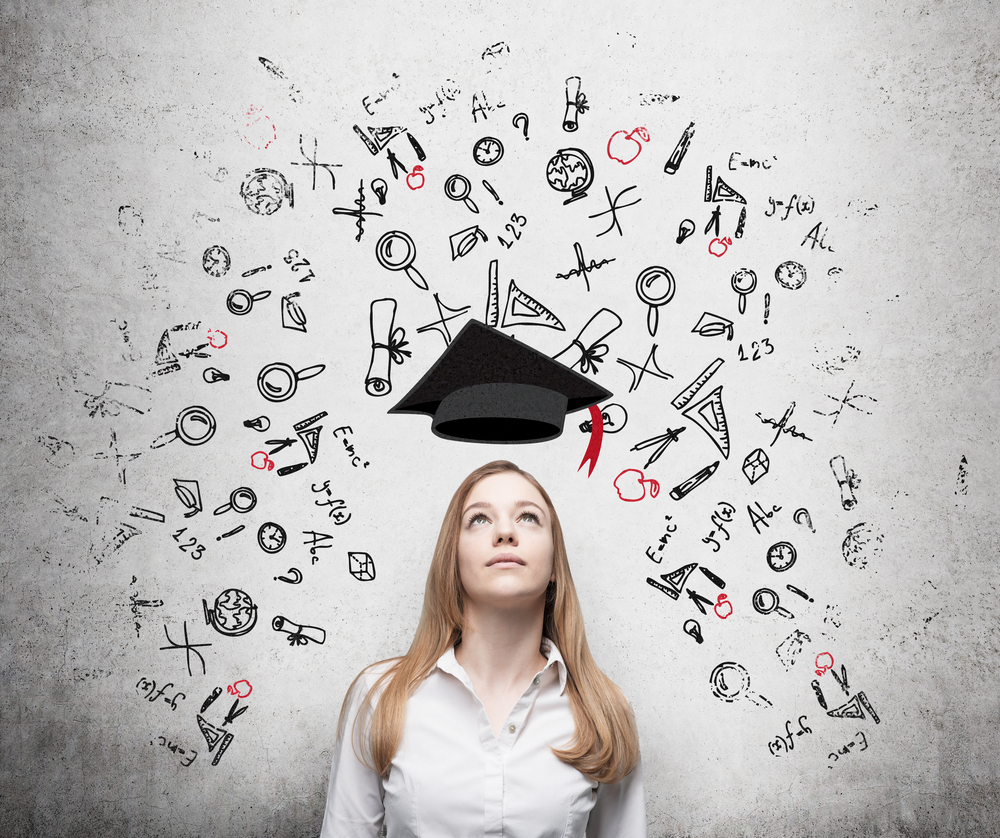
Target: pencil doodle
(677, 155)
(685, 487)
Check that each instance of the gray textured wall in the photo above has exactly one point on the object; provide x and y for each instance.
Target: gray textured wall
(128, 131)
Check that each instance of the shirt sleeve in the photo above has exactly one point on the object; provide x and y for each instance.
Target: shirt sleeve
(620, 808)
(354, 804)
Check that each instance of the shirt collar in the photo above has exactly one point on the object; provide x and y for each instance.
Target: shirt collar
(448, 663)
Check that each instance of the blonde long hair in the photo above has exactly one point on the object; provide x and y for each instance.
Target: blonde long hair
(605, 746)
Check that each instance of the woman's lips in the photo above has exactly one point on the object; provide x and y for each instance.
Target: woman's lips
(505, 559)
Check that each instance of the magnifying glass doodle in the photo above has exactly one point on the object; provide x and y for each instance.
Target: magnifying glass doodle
(396, 251)
(457, 187)
(278, 382)
(195, 425)
(730, 682)
(744, 282)
(241, 302)
(765, 601)
(655, 287)
(241, 500)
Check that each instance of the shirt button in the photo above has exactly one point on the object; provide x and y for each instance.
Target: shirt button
(535, 682)
(512, 728)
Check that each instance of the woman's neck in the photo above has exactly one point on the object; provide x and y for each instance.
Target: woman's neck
(500, 649)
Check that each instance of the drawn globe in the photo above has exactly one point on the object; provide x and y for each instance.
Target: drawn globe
(570, 170)
(234, 613)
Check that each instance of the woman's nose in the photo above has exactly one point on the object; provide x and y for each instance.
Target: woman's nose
(504, 534)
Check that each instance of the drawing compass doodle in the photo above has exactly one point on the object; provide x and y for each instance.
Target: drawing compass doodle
(661, 441)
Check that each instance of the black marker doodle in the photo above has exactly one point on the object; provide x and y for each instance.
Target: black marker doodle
(119, 458)
(569, 170)
(457, 188)
(299, 635)
(576, 104)
(718, 581)
(337, 506)
(487, 151)
(396, 251)
(361, 566)
(359, 214)
(819, 693)
(195, 425)
(855, 709)
(847, 748)
(211, 375)
(387, 346)
(215, 261)
(492, 191)
(816, 236)
(587, 345)
(294, 579)
(241, 500)
(463, 241)
(740, 224)
(720, 517)
(861, 544)
(286, 470)
(693, 629)
(613, 208)
(655, 286)
(846, 480)
(292, 316)
(278, 382)
(744, 281)
(147, 686)
(632, 368)
(379, 187)
(677, 155)
(781, 556)
(234, 613)
(613, 420)
(192, 542)
(312, 162)
(755, 465)
(730, 682)
(317, 540)
(782, 426)
(685, 487)
(376, 139)
(847, 401)
(670, 530)
(712, 325)
(791, 647)
(271, 537)
(265, 190)
(582, 268)
(215, 737)
(759, 516)
(786, 742)
(790, 275)
(524, 310)
(241, 302)
(684, 230)
(661, 441)
(188, 648)
(441, 325)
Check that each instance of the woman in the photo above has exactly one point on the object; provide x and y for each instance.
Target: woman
(497, 721)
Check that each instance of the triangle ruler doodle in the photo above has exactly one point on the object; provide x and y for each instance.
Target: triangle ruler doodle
(524, 310)
(493, 298)
(310, 439)
(854, 709)
(709, 415)
(378, 138)
(676, 578)
(724, 192)
(213, 736)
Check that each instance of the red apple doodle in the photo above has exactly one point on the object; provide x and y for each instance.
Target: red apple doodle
(723, 607)
(631, 485)
(624, 147)
(723, 242)
(212, 337)
(822, 667)
(414, 176)
(260, 460)
(237, 688)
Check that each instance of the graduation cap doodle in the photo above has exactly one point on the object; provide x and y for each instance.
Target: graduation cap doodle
(489, 387)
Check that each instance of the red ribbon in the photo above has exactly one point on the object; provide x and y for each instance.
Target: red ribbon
(596, 435)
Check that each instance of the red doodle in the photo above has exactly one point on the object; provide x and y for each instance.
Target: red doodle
(260, 460)
(259, 129)
(237, 688)
(821, 666)
(723, 242)
(417, 173)
(631, 485)
(723, 607)
(212, 333)
(624, 147)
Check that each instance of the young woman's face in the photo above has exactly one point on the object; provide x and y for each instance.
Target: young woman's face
(505, 552)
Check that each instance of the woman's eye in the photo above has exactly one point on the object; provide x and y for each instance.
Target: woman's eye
(476, 518)
(530, 515)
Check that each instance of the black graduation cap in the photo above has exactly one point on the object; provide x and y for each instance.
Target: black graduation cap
(489, 387)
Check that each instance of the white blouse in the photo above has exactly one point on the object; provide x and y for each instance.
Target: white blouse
(451, 776)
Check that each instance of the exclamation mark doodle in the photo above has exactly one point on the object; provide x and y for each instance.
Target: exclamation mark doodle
(253, 271)
(492, 191)
(767, 307)
(240, 528)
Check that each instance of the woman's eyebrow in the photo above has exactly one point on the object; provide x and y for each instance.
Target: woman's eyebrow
(482, 504)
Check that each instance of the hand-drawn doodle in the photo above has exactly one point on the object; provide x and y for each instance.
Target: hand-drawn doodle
(861, 544)
(670, 530)
(781, 556)
(576, 104)
(613, 416)
(271, 537)
(638, 372)
(582, 268)
(210, 700)
(260, 424)
(800, 592)
(847, 401)
(520, 121)
(441, 324)
(215, 737)
(723, 607)
(195, 425)
(376, 139)
(685, 487)
(520, 220)
(709, 414)
(766, 601)
(846, 480)
(395, 164)
(147, 686)
(819, 693)
(961, 484)
(822, 667)
(730, 682)
(677, 155)
(336, 506)
(294, 578)
(177, 749)
(463, 241)
(348, 445)
(238, 688)
(241, 302)
(189, 494)
(715, 580)
(803, 205)
(213, 336)
(299, 635)
(292, 316)
(816, 237)
(359, 214)
(693, 629)
(415, 179)
(588, 344)
(790, 275)
(698, 600)
(188, 648)
(135, 604)
(310, 440)
(722, 191)
(744, 281)
(265, 190)
(755, 465)
(655, 286)
(492, 191)
(232, 532)
(259, 129)
(361, 566)
(760, 516)
(786, 742)
(767, 307)
(380, 188)
(712, 325)
(286, 470)
(524, 310)
(854, 709)
(396, 251)
(631, 485)
(119, 458)
(661, 442)
(241, 500)
(211, 375)
(624, 146)
(847, 748)
(720, 517)
(685, 229)
(791, 647)
(278, 382)
(782, 427)
(740, 224)
(720, 245)
(130, 220)
(281, 445)
(802, 518)
(570, 170)
(487, 151)
(317, 539)
(387, 346)
(215, 261)
(613, 208)
(314, 165)
(421, 156)
(234, 613)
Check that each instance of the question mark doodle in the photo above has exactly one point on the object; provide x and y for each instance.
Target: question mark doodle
(295, 578)
(521, 117)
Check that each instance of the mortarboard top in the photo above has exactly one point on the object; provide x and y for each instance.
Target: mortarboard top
(489, 387)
